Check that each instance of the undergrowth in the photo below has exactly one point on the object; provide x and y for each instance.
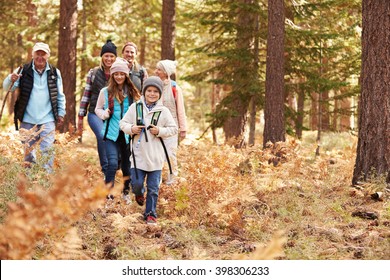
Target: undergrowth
(282, 202)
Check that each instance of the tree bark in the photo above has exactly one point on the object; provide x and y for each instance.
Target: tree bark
(300, 114)
(168, 27)
(274, 127)
(252, 102)
(373, 150)
(67, 44)
(345, 116)
(314, 111)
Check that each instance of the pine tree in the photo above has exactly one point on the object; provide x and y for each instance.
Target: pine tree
(232, 65)
(373, 153)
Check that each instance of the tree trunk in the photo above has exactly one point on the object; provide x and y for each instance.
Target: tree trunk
(314, 111)
(84, 36)
(168, 27)
(67, 58)
(234, 127)
(274, 127)
(373, 150)
(335, 114)
(300, 114)
(345, 116)
(325, 114)
(252, 103)
(252, 121)
(324, 95)
(215, 98)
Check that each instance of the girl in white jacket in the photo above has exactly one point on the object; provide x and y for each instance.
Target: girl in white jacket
(147, 121)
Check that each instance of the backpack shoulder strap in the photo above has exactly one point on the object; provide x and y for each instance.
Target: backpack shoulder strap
(141, 76)
(94, 71)
(173, 85)
(155, 117)
(140, 113)
(111, 107)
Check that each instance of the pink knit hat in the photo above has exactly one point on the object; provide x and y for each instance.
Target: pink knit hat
(120, 65)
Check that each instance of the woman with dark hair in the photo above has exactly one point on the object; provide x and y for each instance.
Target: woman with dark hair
(113, 102)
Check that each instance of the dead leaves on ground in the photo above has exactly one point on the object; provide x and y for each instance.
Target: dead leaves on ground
(226, 201)
(45, 212)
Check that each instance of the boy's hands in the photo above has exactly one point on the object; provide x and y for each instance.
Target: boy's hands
(153, 129)
(136, 129)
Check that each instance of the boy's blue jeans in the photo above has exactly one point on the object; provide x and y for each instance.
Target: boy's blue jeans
(153, 179)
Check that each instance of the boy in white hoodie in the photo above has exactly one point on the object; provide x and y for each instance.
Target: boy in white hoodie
(147, 121)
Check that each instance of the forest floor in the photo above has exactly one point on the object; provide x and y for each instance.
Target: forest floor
(279, 203)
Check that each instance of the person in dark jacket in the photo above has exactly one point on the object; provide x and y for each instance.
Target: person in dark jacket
(40, 105)
(97, 79)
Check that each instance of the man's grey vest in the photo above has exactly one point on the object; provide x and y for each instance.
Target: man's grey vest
(137, 74)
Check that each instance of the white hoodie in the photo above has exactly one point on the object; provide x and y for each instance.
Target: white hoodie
(149, 156)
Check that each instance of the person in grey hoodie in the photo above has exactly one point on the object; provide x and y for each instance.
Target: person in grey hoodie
(148, 122)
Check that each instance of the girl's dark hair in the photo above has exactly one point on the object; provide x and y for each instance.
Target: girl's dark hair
(113, 89)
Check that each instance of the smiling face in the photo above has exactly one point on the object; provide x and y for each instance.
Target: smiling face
(160, 73)
(129, 53)
(152, 95)
(108, 59)
(40, 58)
(119, 77)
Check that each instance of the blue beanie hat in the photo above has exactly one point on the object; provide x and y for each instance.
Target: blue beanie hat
(108, 47)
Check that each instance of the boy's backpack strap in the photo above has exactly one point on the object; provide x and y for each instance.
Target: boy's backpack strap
(140, 113)
(166, 155)
(155, 118)
(132, 154)
(140, 120)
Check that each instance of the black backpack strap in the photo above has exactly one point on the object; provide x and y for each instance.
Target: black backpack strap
(139, 121)
(140, 118)
(141, 76)
(140, 113)
(132, 154)
(166, 155)
(106, 131)
(110, 104)
(155, 118)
